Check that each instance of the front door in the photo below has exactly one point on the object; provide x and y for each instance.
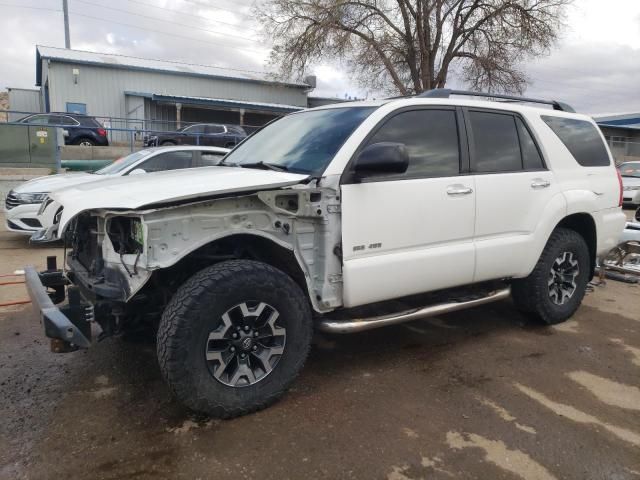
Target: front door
(411, 233)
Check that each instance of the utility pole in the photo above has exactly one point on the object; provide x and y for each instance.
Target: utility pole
(67, 37)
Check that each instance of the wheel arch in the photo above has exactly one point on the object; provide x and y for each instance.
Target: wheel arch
(585, 225)
(252, 246)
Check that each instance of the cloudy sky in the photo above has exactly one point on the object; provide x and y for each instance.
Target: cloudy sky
(595, 67)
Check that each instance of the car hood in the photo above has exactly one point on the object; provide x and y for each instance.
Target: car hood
(138, 191)
(54, 182)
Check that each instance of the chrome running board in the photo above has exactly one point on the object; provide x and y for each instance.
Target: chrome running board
(361, 324)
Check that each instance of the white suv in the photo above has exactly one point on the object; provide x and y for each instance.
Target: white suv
(343, 218)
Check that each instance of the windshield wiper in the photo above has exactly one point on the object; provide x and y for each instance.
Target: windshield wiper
(267, 166)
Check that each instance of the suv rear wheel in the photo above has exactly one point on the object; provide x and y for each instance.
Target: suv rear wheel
(85, 142)
(234, 337)
(557, 285)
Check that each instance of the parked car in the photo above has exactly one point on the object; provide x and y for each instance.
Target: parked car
(343, 218)
(212, 134)
(79, 129)
(22, 204)
(630, 172)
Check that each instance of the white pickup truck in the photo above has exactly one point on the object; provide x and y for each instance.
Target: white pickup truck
(343, 218)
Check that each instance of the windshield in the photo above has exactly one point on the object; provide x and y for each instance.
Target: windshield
(123, 163)
(630, 170)
(301, 142)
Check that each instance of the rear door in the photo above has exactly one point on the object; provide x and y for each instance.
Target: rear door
(513, 189)
(410, 233)
(215, 136)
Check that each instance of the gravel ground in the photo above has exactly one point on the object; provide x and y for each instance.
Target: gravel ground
(476, 394)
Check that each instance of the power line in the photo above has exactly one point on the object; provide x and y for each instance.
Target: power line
(200, 4)
(30, 7)
(167, 21)
(174, 62)
(169, 34)
(199, 17)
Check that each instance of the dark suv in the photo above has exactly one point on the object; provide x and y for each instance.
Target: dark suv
(80, 129)
(209, 134)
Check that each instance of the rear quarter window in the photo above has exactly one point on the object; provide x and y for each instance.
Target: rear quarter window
(581, 138)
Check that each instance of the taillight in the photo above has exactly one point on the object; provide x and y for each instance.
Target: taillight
(102, 132)
(620, 184)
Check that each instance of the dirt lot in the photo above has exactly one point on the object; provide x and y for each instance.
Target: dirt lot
(478, 394)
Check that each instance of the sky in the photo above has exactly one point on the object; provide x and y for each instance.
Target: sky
(595, 66)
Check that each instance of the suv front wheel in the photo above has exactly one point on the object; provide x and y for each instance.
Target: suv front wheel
(234, 337)
(555, 289)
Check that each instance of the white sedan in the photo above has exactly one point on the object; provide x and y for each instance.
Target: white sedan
(23, 203)
(630, 173)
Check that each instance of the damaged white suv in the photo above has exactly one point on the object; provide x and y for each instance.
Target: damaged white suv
(343, 218)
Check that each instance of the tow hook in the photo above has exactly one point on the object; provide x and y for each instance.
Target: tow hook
(60, 346)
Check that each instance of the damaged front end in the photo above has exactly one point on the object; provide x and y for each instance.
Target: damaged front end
(124, 266)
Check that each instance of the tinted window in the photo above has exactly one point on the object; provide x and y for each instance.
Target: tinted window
(496, 144)
(302, 142)
(431, 139)
(531, 158)
(194, 129)
(582, 139)
(168, 161)
(42, 119)
(214, 129)
(211, 158)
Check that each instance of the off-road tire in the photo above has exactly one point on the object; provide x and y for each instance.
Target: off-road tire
(531, 294)
(196, 308)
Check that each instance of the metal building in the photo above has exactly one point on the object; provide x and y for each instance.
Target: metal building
(622, 132)
(23, 100)
(138, 90)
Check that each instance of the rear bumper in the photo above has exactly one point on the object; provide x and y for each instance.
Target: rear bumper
(70, 323)
(612, 223)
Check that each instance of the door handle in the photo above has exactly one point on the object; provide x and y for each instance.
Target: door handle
(539, 183)
(457, 190)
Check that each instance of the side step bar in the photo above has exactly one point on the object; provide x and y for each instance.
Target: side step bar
(361, 324)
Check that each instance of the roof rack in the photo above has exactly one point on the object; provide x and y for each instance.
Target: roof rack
(446, 93)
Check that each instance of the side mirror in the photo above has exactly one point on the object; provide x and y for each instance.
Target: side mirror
(382, 158)
(137, 171)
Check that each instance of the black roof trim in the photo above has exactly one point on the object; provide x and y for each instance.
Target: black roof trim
(446, 93)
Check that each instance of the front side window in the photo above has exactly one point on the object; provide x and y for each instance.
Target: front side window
(630, 169)
(431, 139)
(495, 143)
(209, 159)
(581, 139)
(304, 142)
(39, 119)
(123, 163)
(194, 129)
(168, 161)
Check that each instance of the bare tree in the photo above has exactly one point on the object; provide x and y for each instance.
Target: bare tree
(408, 46)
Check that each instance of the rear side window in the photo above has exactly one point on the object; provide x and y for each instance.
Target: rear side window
(531, 158)
(495, 141)
(581, 139)
(431, 138)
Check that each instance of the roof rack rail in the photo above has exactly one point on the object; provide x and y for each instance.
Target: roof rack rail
(446, 93)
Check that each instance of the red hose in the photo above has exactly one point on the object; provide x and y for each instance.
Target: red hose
(15, 302)
(11, 283)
